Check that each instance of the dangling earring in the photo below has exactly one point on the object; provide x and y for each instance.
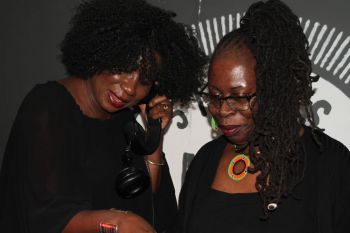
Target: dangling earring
(213, 124)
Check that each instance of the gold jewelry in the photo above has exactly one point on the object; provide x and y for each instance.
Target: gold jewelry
(161, 163)
(165, 107)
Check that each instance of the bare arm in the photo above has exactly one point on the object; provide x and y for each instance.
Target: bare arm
(161, 108)
(154, 163)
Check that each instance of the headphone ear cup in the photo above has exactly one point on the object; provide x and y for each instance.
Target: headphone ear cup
(131, 182)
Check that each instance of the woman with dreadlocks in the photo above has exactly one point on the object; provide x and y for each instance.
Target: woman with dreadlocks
(268, 172)
(69, 164)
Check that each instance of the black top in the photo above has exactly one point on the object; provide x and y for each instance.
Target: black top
(58, 162)
(321, 203)
(217, 211)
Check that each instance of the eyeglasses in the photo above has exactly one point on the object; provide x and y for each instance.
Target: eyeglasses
(239, 103)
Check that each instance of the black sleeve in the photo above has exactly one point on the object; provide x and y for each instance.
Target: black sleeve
(333, 192)
(190, 187)
(165, 202)
(177, 225)
(42, 178)
(341, 190)
(184, 198)
(198, 177)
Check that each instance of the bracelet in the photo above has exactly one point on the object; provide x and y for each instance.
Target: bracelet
(161, 163)
(108, 228)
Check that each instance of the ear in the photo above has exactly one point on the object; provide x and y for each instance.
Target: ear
(253, 105)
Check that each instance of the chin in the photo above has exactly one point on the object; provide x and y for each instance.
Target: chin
(237, 141)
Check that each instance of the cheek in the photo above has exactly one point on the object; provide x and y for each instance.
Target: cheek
(255, 107)
(213, 111)
(250, 124)
(142, 92)
(248, 115)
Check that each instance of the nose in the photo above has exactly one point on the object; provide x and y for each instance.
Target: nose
(130, 82)
(225, 109)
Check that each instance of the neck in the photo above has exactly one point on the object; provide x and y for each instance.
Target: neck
(240, 148)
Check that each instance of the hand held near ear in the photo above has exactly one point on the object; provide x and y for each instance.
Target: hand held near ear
(144, 142)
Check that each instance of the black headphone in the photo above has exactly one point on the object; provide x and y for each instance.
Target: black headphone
(132, 181)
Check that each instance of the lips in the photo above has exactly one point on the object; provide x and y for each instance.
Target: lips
(116, 101)
(229, 130)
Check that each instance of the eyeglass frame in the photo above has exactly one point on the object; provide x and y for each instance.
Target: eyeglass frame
(222, 99)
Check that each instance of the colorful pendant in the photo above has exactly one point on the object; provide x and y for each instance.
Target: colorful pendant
(240, 158)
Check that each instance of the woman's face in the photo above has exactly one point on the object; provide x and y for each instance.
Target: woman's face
(113, 92)
(232, 73)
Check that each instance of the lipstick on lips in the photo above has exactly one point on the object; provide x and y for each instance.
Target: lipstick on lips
(229, 130)
(115, 100)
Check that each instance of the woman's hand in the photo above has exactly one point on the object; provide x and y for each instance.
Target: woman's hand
(160, 108)
(88, 221)
(133, 223)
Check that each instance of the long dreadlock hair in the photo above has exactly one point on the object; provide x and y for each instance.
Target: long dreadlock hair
(126, 35)
(273, 34)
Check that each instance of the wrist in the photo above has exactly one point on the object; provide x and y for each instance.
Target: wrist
(158, 160)
(112, 226)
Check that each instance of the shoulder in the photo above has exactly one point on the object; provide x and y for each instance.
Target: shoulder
(47, 97)
(330, 143)
(45, 103)
(334, 150)
(206, 151)
(199, 162)
(211, 145)
(326, 143)
(327, 150)
(46, 92)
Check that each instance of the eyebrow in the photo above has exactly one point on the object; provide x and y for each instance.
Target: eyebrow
(231, 89)
(236, 87)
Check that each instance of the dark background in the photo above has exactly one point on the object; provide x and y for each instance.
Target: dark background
(31, 31)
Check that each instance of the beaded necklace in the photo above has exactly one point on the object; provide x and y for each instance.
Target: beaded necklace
(238, 167)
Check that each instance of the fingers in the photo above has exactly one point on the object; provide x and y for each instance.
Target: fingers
(159, 99)
(161, 108)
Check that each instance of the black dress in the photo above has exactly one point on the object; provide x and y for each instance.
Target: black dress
(319, 204)
(58, 162)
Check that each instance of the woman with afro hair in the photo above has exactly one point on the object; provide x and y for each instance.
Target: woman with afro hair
(272, 170)
(64, 164)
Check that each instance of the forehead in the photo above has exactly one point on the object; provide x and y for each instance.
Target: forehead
(233, 69)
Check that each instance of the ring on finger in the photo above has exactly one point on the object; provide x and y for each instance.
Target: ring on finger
(165, 107)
